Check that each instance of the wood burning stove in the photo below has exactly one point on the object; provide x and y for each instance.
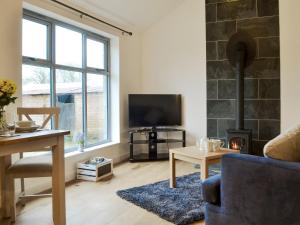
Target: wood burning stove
(240, 140)
(241, 51)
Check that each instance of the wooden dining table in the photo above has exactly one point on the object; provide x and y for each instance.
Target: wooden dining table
(30, 142)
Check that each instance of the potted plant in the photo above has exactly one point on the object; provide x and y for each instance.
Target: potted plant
(7, 90)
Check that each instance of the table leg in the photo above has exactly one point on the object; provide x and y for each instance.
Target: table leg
(204, 169)
(172, 171)
(58, 183)
(5, 162)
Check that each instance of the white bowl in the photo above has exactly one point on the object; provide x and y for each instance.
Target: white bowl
(25, 124)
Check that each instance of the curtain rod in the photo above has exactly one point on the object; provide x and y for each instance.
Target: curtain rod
(92, 17)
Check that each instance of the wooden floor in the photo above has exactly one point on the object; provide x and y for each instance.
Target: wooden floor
(97, 203)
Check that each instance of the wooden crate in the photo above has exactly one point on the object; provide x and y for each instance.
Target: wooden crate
(94, 171)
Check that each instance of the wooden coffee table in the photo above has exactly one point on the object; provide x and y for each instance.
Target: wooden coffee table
(195, 155)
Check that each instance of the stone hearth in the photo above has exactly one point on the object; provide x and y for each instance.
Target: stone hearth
(260, 18)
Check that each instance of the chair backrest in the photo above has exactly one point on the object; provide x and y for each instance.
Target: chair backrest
(48, 111)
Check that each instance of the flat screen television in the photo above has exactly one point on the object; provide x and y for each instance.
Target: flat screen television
(154, 110)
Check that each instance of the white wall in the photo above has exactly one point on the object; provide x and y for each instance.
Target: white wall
(174, 61)
(10, 44)
(126, 75)
(290, 62)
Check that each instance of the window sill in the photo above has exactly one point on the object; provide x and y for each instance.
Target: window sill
(91, 149)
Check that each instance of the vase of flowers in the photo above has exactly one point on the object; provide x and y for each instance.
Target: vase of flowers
(2, 121)
(7, 90)
(79, 140)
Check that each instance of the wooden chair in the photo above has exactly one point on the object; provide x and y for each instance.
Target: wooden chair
(26, 167)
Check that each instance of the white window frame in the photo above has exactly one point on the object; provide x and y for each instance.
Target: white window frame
(84, 70)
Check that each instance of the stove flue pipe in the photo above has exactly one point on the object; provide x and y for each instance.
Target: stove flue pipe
(241, 52)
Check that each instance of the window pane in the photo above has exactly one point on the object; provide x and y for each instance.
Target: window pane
(35, 86)
(69, 99)
(95, 54)
(36, 89)
(68, 47)
(96, 108)
(34, 39)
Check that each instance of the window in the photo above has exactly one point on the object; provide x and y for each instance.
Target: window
(67, 67)
(68, 47)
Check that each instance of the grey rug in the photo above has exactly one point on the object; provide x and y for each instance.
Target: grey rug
(181, 205)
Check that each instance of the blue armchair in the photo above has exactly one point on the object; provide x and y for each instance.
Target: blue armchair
(253, 191)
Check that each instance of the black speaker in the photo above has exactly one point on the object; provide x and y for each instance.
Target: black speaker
(152, 149)
(152, 145)
(152, 135)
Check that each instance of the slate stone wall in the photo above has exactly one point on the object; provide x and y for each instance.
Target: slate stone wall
(260, 18)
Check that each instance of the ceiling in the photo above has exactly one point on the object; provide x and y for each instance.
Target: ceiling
(139, 14)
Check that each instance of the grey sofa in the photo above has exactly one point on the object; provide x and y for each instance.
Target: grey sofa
(253, 190)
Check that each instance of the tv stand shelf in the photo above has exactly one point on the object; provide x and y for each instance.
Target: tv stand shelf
(152, 141)
(145, 157)
(157, 141)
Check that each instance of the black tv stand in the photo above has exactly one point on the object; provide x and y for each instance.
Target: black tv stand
(152, 141)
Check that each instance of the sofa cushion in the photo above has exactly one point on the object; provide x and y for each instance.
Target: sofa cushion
(286, 146)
